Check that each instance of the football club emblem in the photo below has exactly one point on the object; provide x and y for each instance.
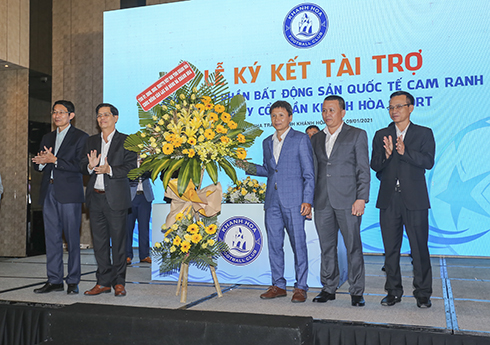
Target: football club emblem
(244, 240)
(305, 25)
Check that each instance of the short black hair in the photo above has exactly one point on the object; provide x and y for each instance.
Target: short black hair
(336, 98)
(410, 99)
(114, 110)
(67, 104)
(282, 104)
(312, 127)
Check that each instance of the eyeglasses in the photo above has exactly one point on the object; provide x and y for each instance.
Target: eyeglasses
(59, 112)
(397, 107)
(104, 115)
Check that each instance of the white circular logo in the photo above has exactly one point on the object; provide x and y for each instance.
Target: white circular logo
(305, 25)
(244, 240)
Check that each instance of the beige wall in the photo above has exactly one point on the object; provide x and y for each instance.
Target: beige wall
(14, 81)
(77, 62)
(13, 167)
(14, 32)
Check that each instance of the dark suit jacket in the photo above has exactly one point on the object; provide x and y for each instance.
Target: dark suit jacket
(293, 174)
(344, 177)
(121, 161)
(409, 169)
(68, 185)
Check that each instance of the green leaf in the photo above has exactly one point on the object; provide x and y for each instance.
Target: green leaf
(184, 177)
(229, 170)
(195, 171)
(157, 167)
(172, 166)
(212, 170)
(132, 141)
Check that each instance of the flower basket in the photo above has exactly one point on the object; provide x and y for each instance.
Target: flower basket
(197, 130)
(246, 191)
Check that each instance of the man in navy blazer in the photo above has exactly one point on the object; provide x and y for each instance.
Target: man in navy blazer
(402, 152)
(61, 196)
(342, 190)
(108, 199)
(288, 166)
(141, 199)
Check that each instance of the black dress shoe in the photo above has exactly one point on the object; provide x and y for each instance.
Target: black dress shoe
(357, 301)
(424, 302)
(72, 289)
(48, 287)
(390, 300)
(324, 296)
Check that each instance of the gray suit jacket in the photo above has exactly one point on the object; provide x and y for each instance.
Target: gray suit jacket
(345, 176)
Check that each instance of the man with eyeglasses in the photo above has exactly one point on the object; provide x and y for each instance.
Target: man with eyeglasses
(61, 197)
(402, 153)
(108, 199)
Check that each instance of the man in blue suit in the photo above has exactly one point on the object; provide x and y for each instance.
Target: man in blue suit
(141, 198)
(288, 165)
(62, 197)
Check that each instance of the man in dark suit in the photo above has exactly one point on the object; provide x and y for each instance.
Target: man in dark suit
(108, 199)
(141, 199)
(288, 165)
(401, 154)
(341, 192)
(61, 196)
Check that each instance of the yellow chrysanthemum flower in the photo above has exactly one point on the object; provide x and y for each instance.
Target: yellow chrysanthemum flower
(179, 216)
(208, 106)
(241, 153)
(168, 148)
(143, 135)
(232, 124)
(211, 242)
(161, 122)
(221, 129)
(196, 238)
(206, 99)
(187, 237)
(212, 117)
(211, 229)
(177, 241)
(241, 138)
(185, 246)
(193, 228)
(225, 139)
(199, 106)
(201, 138)
(219, 108)
(166, 240)
(158, 245)
(209, 134)
(192, 141)
(191, 153)
(243, 191)
(225, 117)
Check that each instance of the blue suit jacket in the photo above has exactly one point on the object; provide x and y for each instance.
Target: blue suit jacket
(67, 177)
(293, 175)
(147, 190)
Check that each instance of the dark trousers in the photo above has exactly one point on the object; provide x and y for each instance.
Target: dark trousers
(107, 225)
(328, 221)
(141, 210)
(416, 224)
(61, 219)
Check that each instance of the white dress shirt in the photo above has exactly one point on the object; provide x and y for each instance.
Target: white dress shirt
(330, 139)
(104, 148)
(277, 145)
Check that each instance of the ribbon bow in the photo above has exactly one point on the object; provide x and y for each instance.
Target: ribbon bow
(206, 201)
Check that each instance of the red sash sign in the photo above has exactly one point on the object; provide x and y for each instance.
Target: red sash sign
(165, 86)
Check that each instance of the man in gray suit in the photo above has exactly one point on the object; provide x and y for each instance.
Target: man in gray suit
(341, 191)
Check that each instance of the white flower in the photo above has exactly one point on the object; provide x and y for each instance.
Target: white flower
(251, 198)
